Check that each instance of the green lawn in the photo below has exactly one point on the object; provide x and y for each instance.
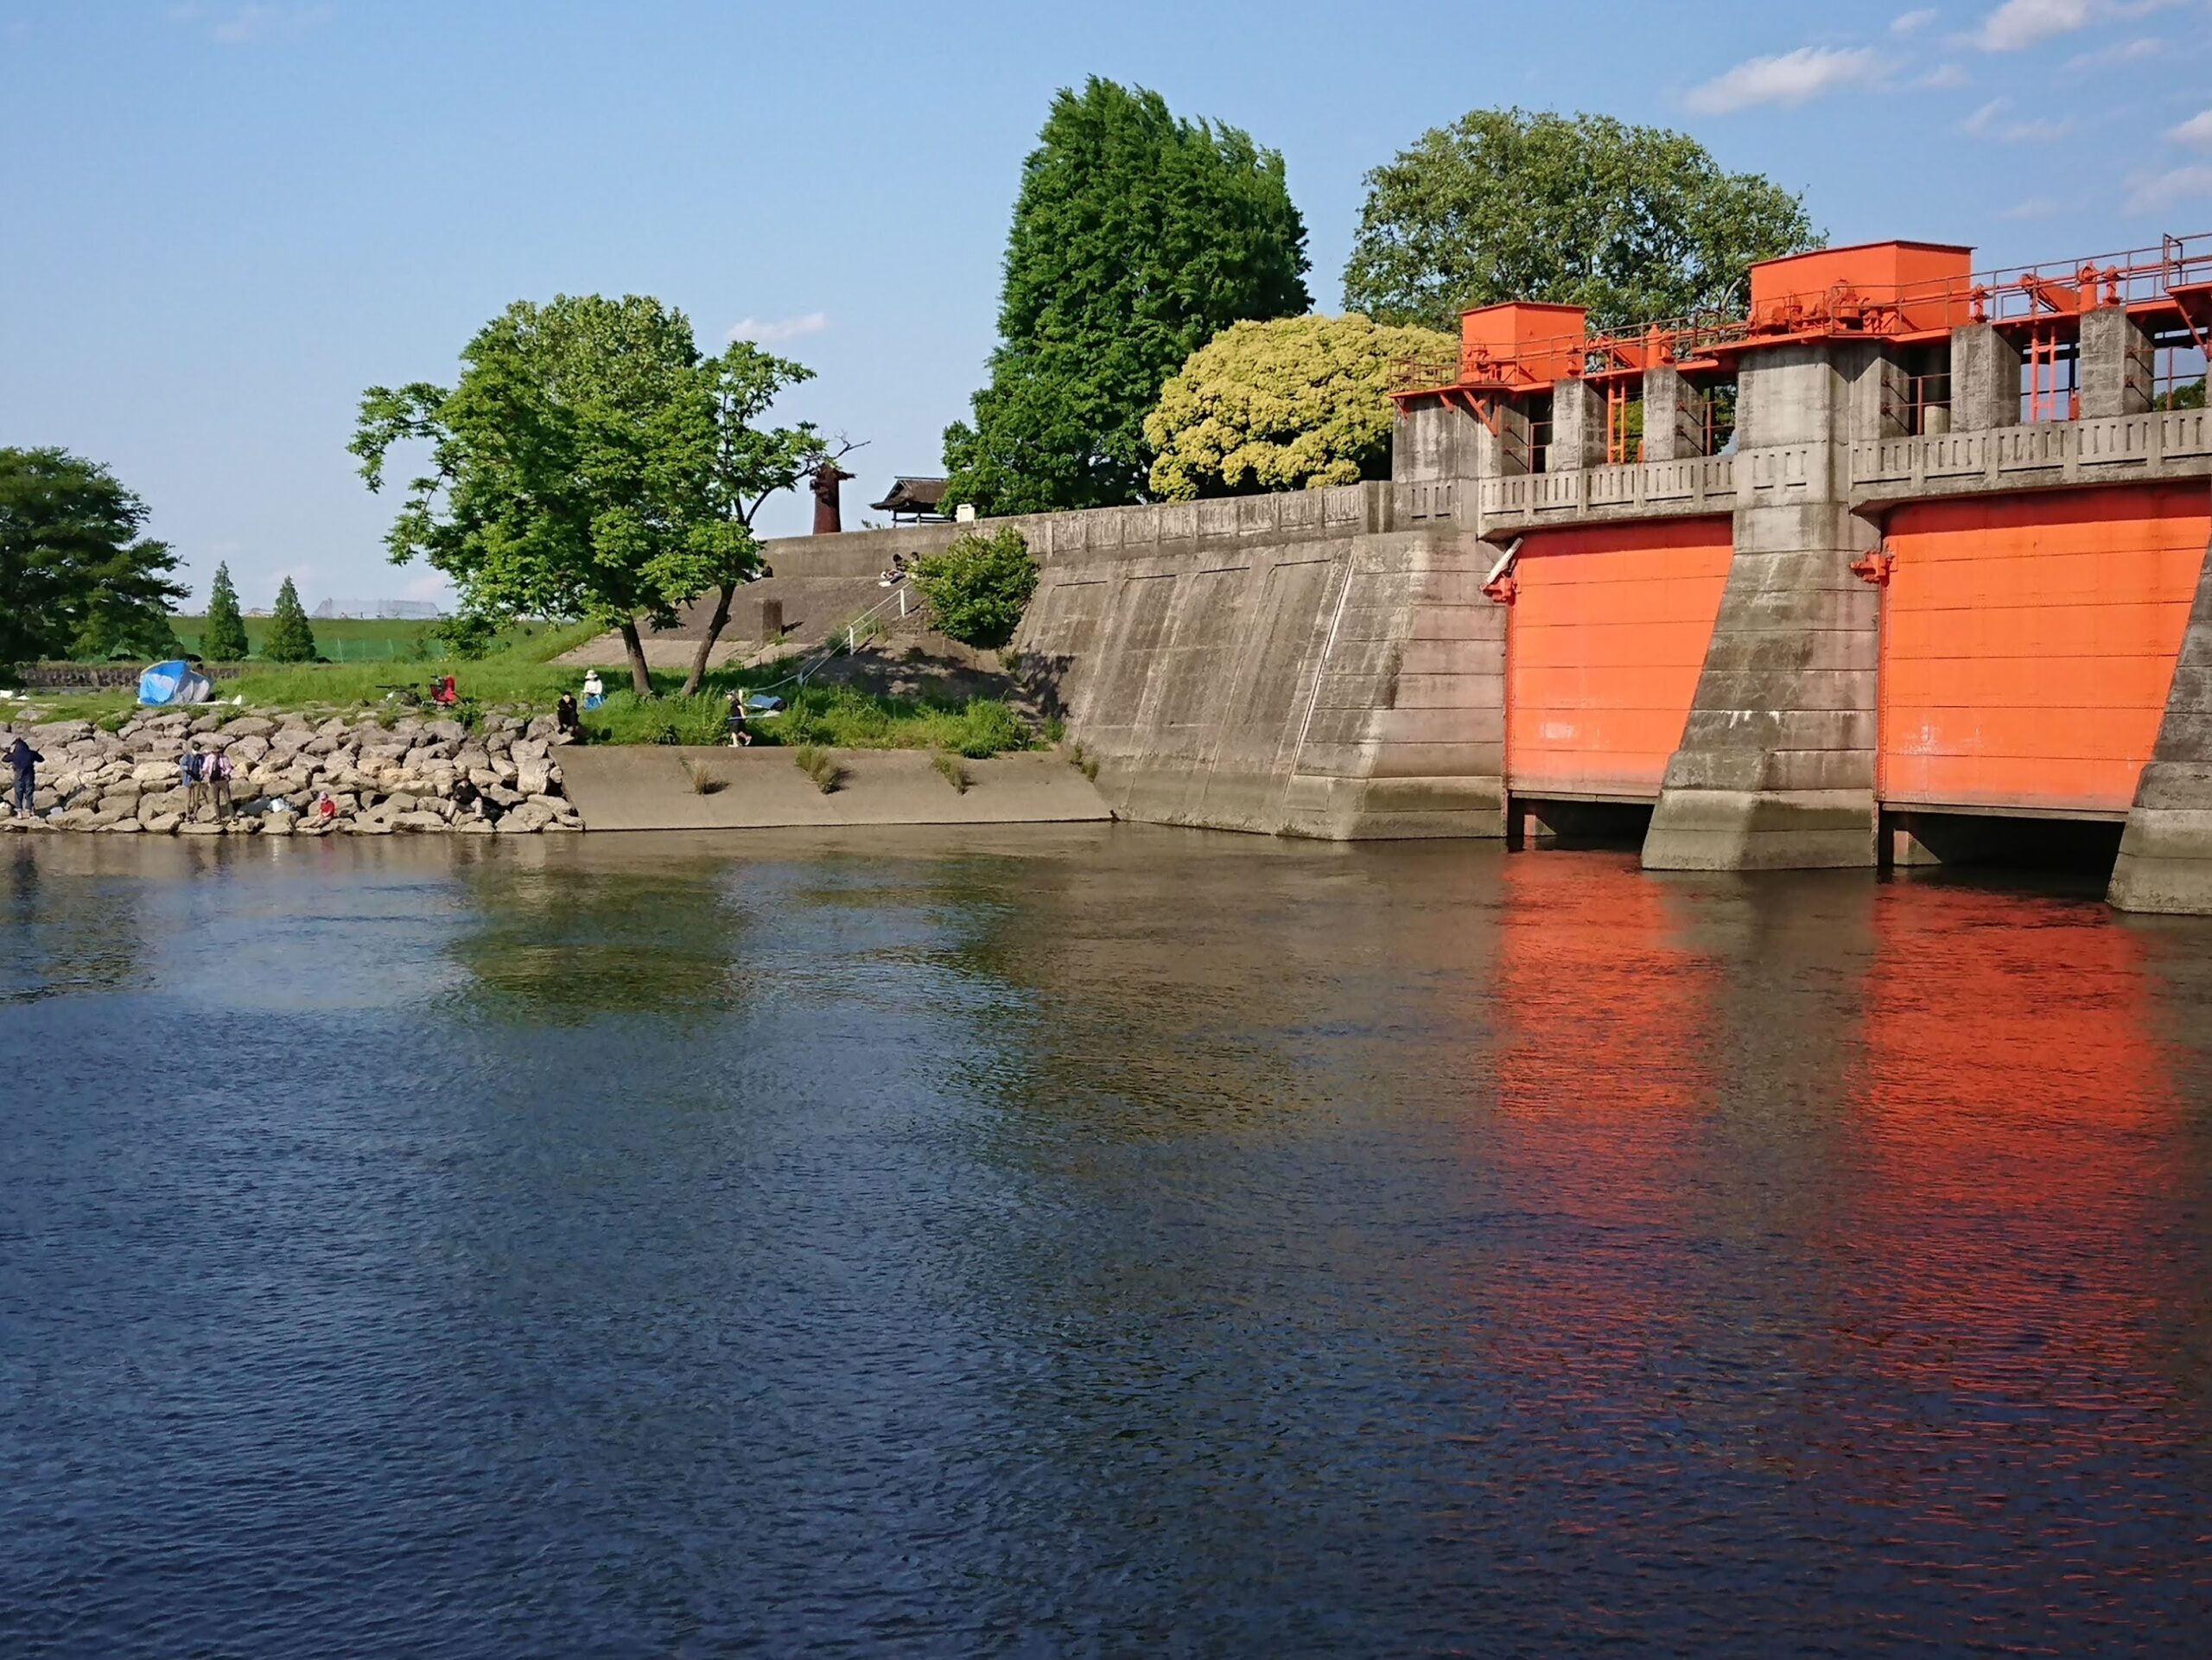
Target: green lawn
(523, 679)
(364, 640)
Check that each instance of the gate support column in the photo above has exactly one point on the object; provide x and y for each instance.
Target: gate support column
(2165, 853)
(1776, 767)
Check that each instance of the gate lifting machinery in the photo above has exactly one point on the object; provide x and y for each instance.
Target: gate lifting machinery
(1900, 293)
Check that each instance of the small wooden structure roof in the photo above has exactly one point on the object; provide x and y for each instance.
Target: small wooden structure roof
(920, 498)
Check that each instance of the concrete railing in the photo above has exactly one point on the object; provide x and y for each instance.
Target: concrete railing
(1702, 484)
(2164, 444)
(1292, 515)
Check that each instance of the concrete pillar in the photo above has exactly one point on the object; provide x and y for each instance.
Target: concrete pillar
(1985, 379)
(1431, 440)
(1577, 427)
(1775, 765)
(2165, 853)
(2116, 365)
(1674, 428)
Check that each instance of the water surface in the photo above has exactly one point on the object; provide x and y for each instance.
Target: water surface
(1114, 1241)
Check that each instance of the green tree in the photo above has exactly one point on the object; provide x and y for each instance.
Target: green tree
(2189, 395)
(222, 636)
(588, 463)
(1136, 237)
(1295, 403)
(1634, 223)
(77, 576)
(979, 586)
(291, 639)
(734, 466)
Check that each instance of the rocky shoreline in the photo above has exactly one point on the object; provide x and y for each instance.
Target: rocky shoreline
(414, 774)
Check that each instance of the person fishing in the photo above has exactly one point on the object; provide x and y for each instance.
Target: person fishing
(24, 760)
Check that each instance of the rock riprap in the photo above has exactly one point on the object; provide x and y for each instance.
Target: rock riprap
(417, 774)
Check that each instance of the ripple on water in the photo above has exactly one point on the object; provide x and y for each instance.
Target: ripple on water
(1118, 1241)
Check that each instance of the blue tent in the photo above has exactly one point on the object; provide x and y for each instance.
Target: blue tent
(173, 682)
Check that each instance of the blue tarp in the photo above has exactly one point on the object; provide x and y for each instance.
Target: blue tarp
(173, 682)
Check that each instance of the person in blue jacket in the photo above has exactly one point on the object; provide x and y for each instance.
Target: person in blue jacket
(24, 760)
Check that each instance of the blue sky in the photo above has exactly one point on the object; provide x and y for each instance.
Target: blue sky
(219, 221)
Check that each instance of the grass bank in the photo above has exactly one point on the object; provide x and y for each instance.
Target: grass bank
(837, 717)
(523, 679)
(378, 639)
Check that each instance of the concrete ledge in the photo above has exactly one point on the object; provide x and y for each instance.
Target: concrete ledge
(2166, 863)
(644, 788)
(1739, 830)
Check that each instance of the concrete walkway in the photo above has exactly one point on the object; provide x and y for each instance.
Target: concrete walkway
(645, 787)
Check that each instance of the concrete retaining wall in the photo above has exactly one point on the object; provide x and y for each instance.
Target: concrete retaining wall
(645, 787)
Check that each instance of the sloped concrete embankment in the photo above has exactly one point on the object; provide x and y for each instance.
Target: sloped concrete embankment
(821, 584)
(1321, 662)
(648, 787)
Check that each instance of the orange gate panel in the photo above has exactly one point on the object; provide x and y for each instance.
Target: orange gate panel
(2029, 642)
(1607, 640)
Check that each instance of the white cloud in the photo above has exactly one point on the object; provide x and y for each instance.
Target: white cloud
(1908, 21)
(2034, 207)
(1987, 123)
(2018, 24)
(2198, 130)
(765, 333)
(1944, 77)
(1984, 118)
(1791, 77)
(2181, 184)
(2132, 51)
(242, 25)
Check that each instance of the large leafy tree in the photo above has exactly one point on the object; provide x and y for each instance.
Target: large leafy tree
(1296, 404)
(79, 577)
(1136, 237)
(1634, 223)
(588, 463)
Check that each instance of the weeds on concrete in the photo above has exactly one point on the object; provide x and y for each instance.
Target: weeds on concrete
(1056, 729)
(703, 778)
(950, 769)
(819, 765)
(1083, 761)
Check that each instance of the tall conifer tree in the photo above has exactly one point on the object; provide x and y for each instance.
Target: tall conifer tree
(290, 638)
(1136, 237)
(222, 639)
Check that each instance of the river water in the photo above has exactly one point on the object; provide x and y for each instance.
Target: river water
(1111, 1241)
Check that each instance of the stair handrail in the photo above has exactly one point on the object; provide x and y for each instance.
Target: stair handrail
(846, 639)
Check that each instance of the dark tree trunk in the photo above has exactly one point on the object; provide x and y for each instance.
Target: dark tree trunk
(641, 680)
(716, 624)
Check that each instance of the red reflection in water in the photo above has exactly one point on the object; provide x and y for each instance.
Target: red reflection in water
(2009, 1132)
(1599, 1012)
